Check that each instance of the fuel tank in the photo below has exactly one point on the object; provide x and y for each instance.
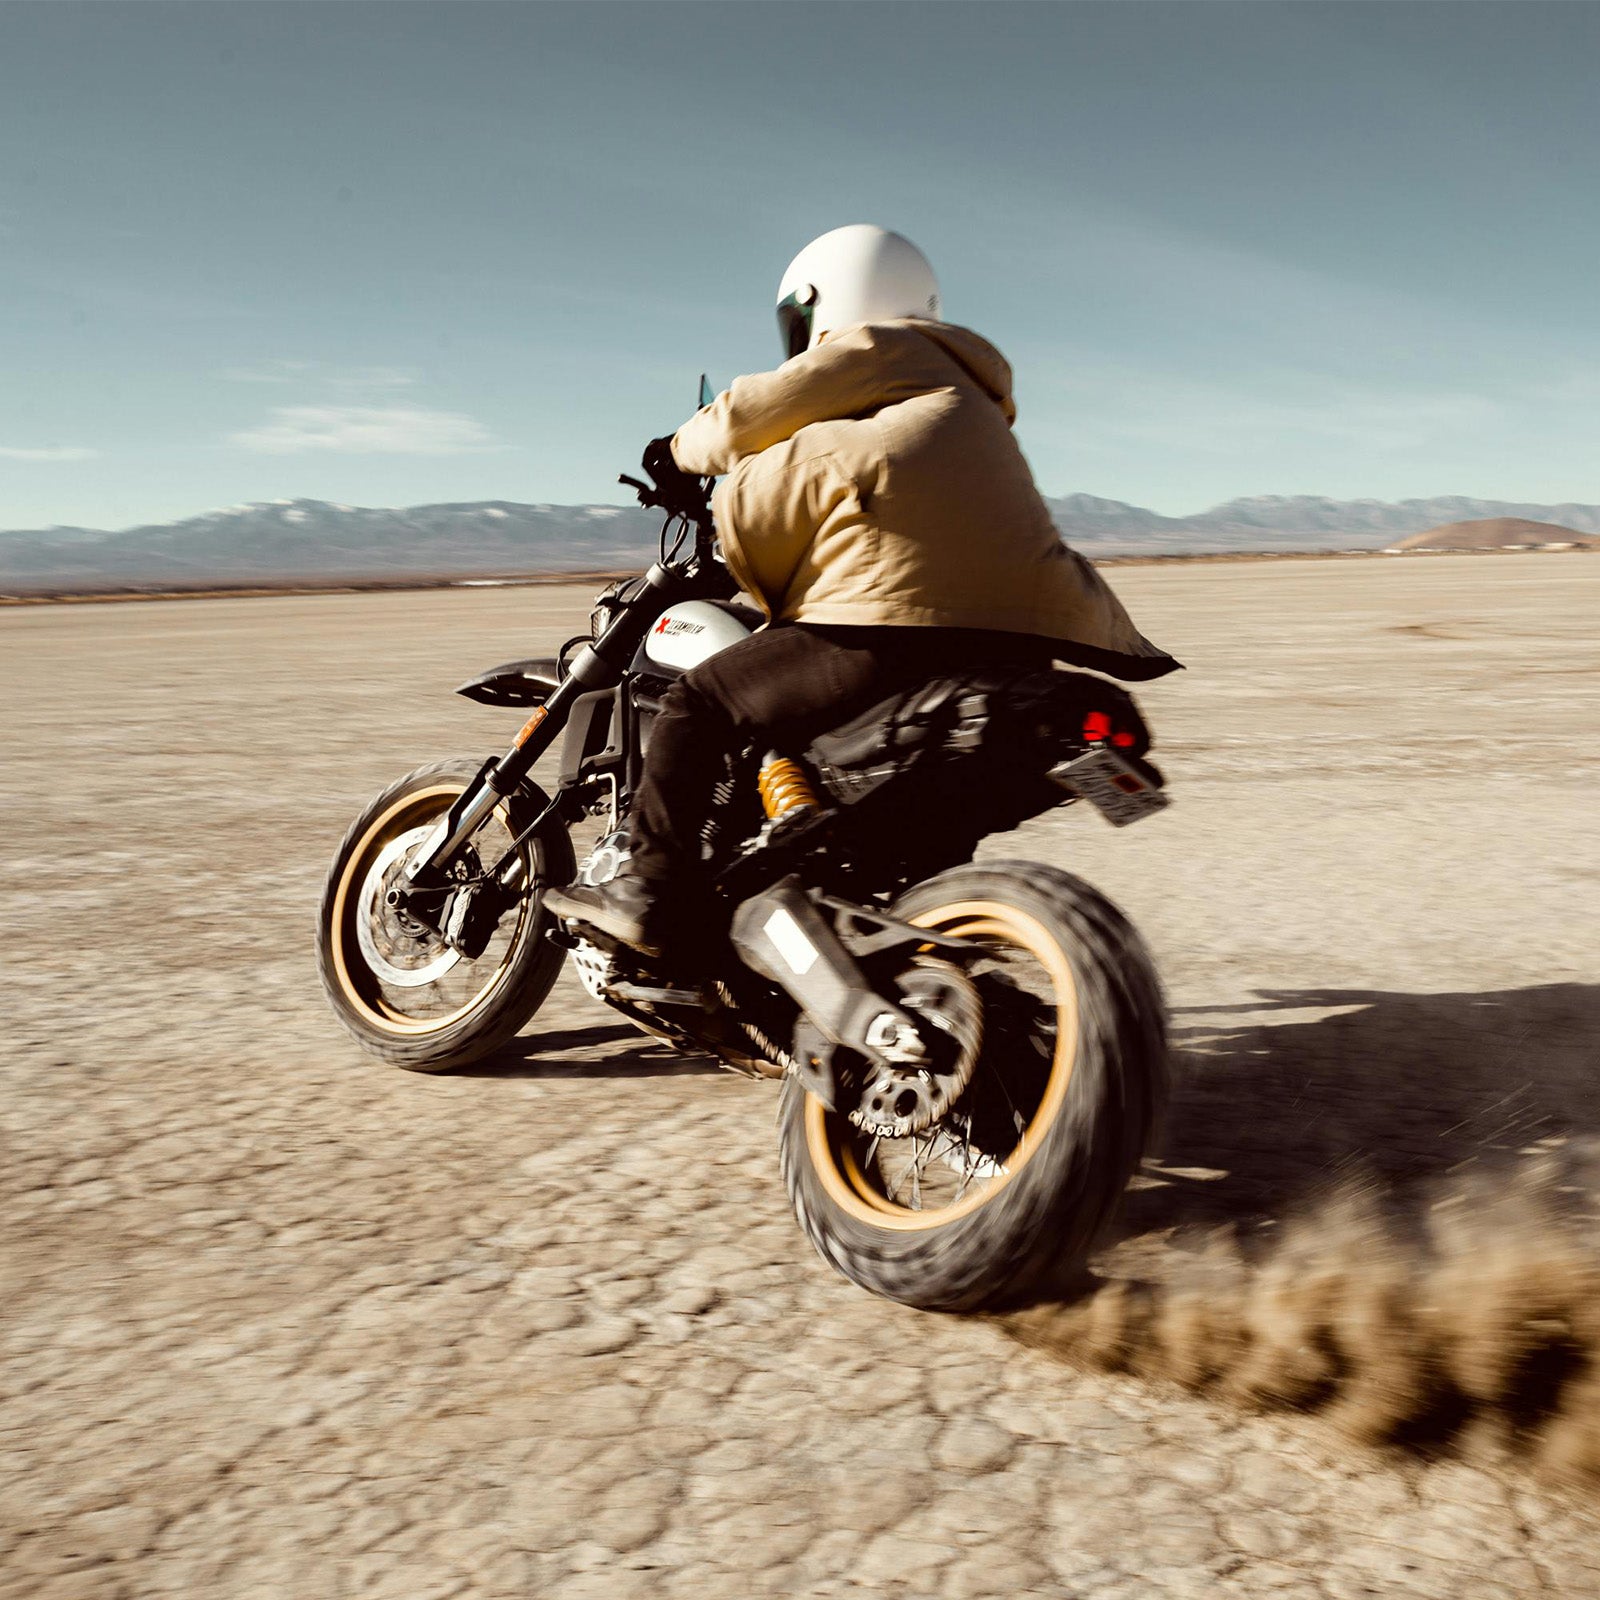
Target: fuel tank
(684, 635)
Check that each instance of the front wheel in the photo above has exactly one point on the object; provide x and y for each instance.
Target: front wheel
(1022, 1172)
(405, 994)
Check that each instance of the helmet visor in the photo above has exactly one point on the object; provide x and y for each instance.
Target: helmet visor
(794, 324)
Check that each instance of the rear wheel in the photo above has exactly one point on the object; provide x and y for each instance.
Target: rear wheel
(405, 994)
(1020, 1175)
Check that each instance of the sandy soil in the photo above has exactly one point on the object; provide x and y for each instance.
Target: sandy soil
(281, 1321)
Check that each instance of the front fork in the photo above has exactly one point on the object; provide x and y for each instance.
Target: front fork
(599, 665)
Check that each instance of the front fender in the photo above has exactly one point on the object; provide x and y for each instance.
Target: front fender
(514, 683)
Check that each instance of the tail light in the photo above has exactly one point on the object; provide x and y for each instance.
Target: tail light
(1098, 729)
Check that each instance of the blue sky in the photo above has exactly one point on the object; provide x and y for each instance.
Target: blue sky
(386, 254)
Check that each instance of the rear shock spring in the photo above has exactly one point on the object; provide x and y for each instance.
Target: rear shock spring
(784, 787)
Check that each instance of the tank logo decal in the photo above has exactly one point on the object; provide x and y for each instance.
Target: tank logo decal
(671, 625)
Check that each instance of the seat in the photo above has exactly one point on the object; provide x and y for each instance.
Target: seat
(1014, 718)
(899, 724)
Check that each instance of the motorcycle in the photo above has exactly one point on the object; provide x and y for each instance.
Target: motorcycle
(972, 1055)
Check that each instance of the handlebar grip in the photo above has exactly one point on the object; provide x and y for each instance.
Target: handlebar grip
(650, 494)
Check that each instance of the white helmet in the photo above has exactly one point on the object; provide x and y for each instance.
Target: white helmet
(854, 274)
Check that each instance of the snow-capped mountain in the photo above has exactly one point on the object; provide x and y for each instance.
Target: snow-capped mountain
(316, 541)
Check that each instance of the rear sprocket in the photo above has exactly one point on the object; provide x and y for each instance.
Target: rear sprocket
(901, 1097)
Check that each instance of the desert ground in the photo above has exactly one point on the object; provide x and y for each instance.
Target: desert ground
(280, 1321)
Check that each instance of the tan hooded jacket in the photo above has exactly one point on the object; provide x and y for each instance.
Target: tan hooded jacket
(874, 480)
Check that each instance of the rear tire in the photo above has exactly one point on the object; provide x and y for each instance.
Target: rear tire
(1100, 1087)
(519, 969)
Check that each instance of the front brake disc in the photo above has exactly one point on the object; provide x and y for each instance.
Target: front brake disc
(405, 957)
(903, 1098)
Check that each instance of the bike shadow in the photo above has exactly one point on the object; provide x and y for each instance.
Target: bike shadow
(1278, 1101)
(606, 1050)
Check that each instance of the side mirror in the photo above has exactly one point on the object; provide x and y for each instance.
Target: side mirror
(707, 393)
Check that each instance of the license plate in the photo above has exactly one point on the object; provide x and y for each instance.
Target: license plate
(1112, 785)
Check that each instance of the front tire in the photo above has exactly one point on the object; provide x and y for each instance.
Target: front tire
(413, 1002)
(1073, 1070)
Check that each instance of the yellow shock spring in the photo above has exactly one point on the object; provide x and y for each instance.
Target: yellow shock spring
(784, 787)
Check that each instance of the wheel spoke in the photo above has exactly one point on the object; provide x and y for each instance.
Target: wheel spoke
(968, 1165)
(1016, 1116)
(899, 1181)
(912, 1170)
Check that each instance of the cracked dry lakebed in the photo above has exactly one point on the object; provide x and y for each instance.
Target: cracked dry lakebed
(280, 1321)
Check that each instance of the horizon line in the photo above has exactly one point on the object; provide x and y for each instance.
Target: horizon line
(589, 505)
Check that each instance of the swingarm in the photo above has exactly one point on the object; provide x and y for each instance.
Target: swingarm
(785, 935)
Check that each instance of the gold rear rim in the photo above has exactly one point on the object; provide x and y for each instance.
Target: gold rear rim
(361, 987)
(843, 1157)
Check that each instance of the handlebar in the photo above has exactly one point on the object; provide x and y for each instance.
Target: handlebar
(650, 494)
(646, 491)
(696, 515)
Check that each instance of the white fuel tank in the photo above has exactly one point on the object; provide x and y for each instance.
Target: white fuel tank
(685, 635)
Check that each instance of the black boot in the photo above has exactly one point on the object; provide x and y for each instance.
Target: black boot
(626, 909)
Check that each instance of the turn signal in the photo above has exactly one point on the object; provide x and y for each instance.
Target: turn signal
(531, 726)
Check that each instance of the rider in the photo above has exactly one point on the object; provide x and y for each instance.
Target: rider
(877, 506)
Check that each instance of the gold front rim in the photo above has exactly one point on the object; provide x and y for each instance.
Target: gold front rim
(830, 1137)
(406, 812)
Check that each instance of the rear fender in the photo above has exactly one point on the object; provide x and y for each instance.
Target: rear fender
(515, 683)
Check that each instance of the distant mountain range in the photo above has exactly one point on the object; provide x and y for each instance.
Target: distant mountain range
(1293, 522)
(314, 541)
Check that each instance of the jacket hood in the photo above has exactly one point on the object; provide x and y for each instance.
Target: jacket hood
(975, 356)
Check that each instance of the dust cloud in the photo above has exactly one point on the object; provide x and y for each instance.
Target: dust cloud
(1383, 1211)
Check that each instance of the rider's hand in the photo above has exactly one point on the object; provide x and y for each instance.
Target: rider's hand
(658, 459)
(682, 491)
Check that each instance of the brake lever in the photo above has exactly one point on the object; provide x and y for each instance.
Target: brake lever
(647, 492)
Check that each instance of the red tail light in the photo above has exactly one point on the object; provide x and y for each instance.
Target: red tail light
(1097, 728)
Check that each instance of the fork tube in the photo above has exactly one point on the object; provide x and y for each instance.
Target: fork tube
(597, 666)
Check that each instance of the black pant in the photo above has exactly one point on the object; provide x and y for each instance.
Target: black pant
(780, 688)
